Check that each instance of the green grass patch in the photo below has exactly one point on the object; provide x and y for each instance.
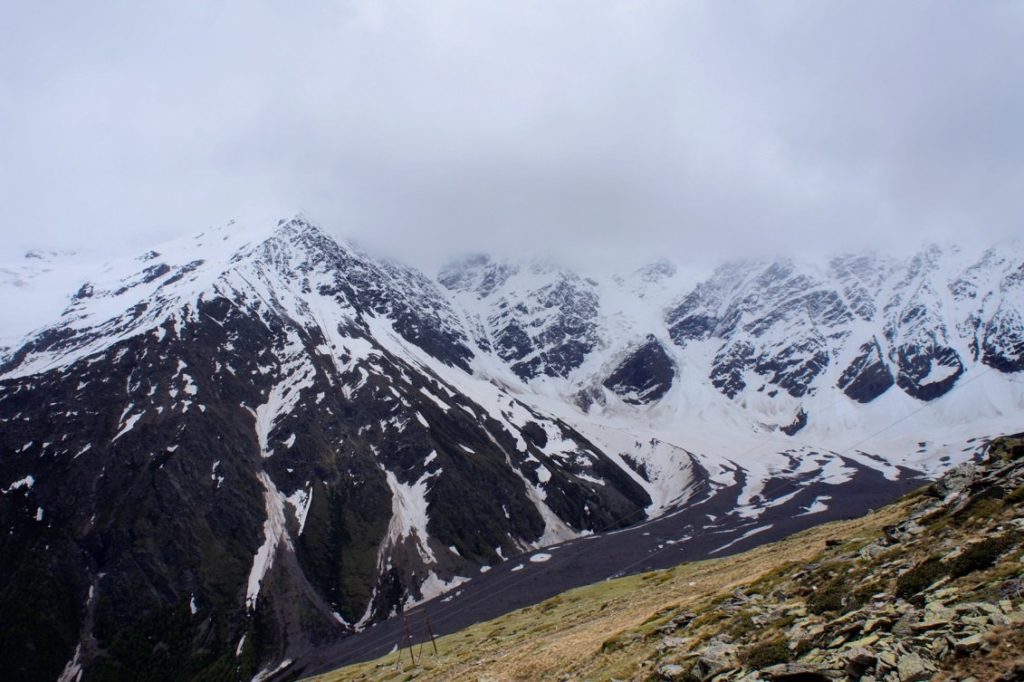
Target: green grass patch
(767, 653)
(976, 557)
(984, 554)
(919, 577)
(1014, 498)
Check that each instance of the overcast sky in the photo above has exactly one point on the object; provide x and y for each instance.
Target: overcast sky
(590, 128)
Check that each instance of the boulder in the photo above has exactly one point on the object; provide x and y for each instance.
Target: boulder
(912, 668)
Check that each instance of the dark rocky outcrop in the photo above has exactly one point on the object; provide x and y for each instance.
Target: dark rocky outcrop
(645, 376)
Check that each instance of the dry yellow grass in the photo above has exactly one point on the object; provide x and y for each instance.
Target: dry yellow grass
(588, 632)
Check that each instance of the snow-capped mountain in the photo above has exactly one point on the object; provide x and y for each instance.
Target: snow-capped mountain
(257, 440)
(791, 347)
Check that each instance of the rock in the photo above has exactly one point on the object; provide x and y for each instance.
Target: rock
(998, 619)
(905, 625)
(677, 622)
(672, 671)
(858, 662)
(912, 668)
(672, 642)
(939, 648)
(887, 659)
(913, 528)
(864, 642)
(955, 481)
(716, 658)
(870, 624)
(751, 677)
(968, 644)
(800, 672)
(932, 621)
(873, 551)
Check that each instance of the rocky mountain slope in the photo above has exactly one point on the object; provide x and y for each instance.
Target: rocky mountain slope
(927, 588)
(238, 455)
(237, 447)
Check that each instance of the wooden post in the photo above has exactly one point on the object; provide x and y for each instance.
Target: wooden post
(398, 654)
(430, 631)
(408, 638)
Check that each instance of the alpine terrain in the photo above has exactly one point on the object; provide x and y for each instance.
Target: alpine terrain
(237, 450)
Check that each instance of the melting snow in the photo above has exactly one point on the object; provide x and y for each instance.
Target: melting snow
(434, 586)
(817, 506)
(297, 374)
(409, 514)
(300, 501)
(268, 673)
(73, 670)
(753, 531)
(938, 372)
(128, 425)
(440, 403)
(274, 533)
(26, 482)
(213, 474)
(540, 557)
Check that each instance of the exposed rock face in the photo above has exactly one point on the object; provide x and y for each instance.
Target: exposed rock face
(786, 325)
(541, 320)
(644, 376)
(868, 376)
(253, 456)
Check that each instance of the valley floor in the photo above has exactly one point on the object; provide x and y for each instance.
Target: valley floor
(703, 529)
(929, 587)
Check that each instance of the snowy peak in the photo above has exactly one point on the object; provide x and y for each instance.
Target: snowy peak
(781, 340)
(539, 319)
(290, 268)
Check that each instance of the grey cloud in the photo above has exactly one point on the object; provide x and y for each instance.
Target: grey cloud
(576, 129)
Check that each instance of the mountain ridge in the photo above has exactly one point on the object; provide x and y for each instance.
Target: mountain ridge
(291, 440)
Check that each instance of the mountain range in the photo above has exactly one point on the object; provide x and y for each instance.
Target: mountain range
(239, 447)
